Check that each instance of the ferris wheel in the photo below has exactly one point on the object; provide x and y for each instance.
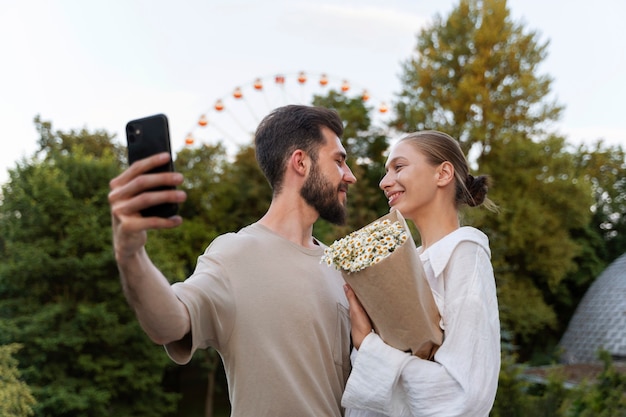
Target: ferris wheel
(232, 119)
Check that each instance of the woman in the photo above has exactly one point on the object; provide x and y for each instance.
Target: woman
(428, 180)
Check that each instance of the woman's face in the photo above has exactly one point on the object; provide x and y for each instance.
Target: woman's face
(410, 182)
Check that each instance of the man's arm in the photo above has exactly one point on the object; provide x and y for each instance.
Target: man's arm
(161, 314)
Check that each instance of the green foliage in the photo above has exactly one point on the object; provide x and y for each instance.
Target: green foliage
(245, 194)
(510, 401)
(605, 168)
(83, 351)
(203, 168)
(543, 206)
(16, 399)
(97, 144)
(604, 396)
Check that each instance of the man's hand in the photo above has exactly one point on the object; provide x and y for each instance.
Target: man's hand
(128, 196)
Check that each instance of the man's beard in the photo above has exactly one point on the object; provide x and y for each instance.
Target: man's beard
(320, 194)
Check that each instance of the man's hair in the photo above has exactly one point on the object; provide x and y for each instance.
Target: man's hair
(287, 129)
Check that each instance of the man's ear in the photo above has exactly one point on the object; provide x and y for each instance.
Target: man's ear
(299, 162)
(446, 173)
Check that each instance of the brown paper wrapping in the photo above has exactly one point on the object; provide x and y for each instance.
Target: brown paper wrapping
(397, 297)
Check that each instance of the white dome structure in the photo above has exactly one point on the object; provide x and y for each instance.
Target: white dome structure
(599, 321)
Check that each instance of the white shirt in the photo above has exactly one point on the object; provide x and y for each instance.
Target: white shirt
(463, 378)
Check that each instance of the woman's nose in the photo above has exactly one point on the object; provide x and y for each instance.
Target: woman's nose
(385, 182)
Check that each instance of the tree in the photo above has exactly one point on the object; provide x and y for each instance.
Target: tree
(97, 144)
(538, 237)
(253, 193)
(83, 351)
(475, 76)
(16, 399)
(605, 168)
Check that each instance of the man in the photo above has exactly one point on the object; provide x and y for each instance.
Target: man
(260, 297)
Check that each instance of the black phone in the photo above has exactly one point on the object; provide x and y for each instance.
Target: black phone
(145, 137)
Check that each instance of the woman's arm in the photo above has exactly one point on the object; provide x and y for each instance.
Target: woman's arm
(463, 378)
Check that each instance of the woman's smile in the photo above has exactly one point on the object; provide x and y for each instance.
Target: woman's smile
(393, 197)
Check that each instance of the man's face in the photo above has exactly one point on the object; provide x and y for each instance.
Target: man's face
(326, 187)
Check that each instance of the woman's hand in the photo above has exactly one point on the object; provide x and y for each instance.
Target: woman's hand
(361, 323)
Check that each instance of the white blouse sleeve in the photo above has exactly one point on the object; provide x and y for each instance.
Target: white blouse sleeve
(462, 380)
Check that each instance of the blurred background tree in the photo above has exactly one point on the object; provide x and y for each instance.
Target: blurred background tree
(83, 352)
(16, 399)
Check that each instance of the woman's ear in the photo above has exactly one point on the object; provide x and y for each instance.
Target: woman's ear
(446, 173)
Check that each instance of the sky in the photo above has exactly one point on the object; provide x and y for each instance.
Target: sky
(97, 65)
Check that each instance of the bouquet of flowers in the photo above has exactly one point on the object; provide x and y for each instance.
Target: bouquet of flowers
(380, 263)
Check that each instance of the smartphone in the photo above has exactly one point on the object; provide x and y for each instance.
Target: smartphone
(145, 137)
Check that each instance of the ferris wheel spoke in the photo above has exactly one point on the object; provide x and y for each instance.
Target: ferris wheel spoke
(234, 118)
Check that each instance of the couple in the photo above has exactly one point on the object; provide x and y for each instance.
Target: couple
(282, 321)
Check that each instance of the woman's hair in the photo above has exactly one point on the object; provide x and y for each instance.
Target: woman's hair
(439, 147)
(289, 128)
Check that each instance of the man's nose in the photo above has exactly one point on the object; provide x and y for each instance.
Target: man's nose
(348, 176)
